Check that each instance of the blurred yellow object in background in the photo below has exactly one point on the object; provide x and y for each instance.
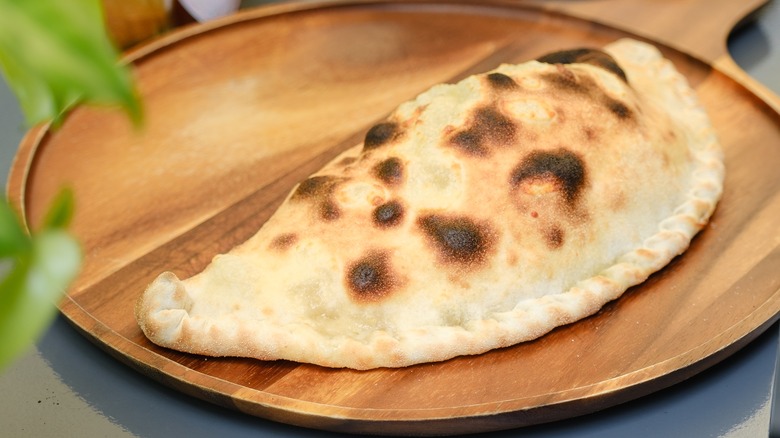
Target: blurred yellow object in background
(132, 21)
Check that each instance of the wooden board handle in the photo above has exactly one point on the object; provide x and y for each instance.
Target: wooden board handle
(697, 27)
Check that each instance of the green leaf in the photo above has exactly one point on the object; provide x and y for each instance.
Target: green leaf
(57, 53)
(29, 292)
(54, 54)
(13, 239)
(60, 211)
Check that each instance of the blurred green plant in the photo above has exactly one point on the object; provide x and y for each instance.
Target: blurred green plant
(54, 54)
(36, 271)
(57, 53)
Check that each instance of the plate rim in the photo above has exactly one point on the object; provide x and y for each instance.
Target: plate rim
(23, 159)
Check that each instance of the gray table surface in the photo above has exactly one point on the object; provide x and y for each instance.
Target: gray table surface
(66, 386)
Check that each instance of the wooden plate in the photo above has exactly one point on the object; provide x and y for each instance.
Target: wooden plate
(241, 109)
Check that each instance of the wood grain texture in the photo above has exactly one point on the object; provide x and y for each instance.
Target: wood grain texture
(241, 109)
(697, 27)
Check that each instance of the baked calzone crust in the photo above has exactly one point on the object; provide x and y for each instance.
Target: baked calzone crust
(477, 216)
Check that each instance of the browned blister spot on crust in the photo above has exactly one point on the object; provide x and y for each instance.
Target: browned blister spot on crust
(618, 108)
(381, 134)
(562, 167)
(469, 142)
(593, 57)
(320, 190)
(390, 171)
(494, 126)
(590, 133)
(488, 128)
(554, 237)
(601, 59)
(500, 81)
(458, 239)
(567, 81)
(315, 186)
(329, 210)
(564, 79)
(370, 278)
(284, 241)
(389, 214)
(346, 161)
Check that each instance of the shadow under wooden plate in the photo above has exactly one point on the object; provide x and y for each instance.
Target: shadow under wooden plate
(239, 110)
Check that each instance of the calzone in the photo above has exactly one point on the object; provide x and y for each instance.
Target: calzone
(479, 215)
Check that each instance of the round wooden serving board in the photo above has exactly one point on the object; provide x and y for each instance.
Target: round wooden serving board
(239, 110)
